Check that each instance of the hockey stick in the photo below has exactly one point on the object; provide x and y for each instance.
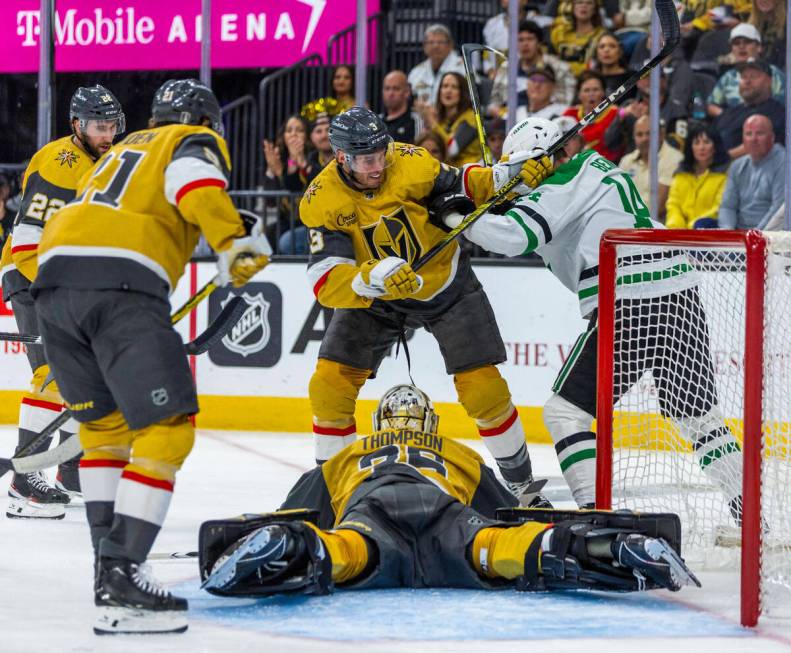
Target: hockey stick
(24, 464)
(466, 53)
(174, 555)
(671, 31)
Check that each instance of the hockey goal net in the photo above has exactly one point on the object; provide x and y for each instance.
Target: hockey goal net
(694, 403)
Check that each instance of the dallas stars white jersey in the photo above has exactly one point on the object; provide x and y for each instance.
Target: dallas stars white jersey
(563, 220)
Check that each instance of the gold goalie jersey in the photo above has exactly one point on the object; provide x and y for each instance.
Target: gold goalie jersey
(347, 227)
(137, 217)
(374, 459)
(50, 181)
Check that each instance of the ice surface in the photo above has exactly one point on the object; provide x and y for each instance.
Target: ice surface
(46, 599)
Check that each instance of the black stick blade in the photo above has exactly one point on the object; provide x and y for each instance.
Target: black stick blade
(219, 328)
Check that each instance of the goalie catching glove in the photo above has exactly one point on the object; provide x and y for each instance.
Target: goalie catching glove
(246, 256)
(388, 279)
(532, 170)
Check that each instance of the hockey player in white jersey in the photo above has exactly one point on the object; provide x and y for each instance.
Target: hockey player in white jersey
(562, 220)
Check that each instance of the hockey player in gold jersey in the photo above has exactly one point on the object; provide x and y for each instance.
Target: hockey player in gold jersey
(371, 214)
(49, 183)
(107, 264)
(405, 507)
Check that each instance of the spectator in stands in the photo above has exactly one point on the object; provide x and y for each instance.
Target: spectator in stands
(575, 40)
(495, 137)
(673, 108)
(433, 143)
(452, 118)
(529, 41)
(755, 89)
(637, 164)
(590, 91)
(609, 10)
(745, 45)
(441, 58)
(540, 89)
(699, 16)
(402, 123)
(343, 87)
(769, 16)
(495, 35)
(6, 215)
(321, 154)
(697, 186)
(608, 60)
(755, 187)
(637, 23)
(295, 240)
(287, 169)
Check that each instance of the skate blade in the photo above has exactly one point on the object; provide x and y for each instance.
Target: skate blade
(221, 577)
(131, 621)
(678, 568)
(24, 509)
(531, 492)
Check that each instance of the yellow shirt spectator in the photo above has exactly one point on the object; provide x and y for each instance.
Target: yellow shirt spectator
(696, 189)
(574, 38)
(693, 197)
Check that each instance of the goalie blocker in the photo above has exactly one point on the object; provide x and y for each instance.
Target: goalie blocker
(270, 553)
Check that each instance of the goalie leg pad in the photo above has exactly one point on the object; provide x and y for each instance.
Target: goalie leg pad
(619, 551)
(283, 557)
(216, 536)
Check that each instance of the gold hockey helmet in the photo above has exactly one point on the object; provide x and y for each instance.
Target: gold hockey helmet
(405, 406)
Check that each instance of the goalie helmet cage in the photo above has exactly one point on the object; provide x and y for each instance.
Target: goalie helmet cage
(719, 430)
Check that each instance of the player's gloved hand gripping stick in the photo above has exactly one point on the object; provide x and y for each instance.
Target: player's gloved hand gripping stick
(671, 33)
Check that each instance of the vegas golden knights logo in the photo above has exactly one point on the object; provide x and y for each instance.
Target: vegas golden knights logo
(393, 235)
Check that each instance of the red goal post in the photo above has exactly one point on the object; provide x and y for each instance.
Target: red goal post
(647, 463)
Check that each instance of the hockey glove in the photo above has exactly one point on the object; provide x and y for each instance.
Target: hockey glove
(532, 170)
(246, 256)
(388, 279)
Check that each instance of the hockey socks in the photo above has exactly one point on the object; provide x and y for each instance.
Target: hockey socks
(500, 552)
(348, 552)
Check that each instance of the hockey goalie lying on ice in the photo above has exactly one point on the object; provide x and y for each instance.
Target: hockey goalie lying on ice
(405, 507)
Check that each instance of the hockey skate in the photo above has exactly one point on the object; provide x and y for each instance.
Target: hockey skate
(267, 549)
(131, 602)
(68, 480)
(653, 559)
(528, 493)
(30, 496)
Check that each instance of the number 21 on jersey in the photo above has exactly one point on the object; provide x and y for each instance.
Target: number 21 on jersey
(112, 191)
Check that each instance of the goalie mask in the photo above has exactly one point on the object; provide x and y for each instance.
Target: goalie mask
(532, 135)
(405, 407)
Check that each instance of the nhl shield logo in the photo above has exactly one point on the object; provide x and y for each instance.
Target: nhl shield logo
(251, 333)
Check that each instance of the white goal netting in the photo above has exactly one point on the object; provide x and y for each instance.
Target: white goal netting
(678, 428)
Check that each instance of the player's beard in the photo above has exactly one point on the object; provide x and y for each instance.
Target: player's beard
(94, 151)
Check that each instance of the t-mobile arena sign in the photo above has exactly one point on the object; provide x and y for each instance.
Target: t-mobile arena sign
(95, 35)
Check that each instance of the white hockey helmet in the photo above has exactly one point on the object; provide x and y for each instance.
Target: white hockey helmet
(405, 407)
(532, 135)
